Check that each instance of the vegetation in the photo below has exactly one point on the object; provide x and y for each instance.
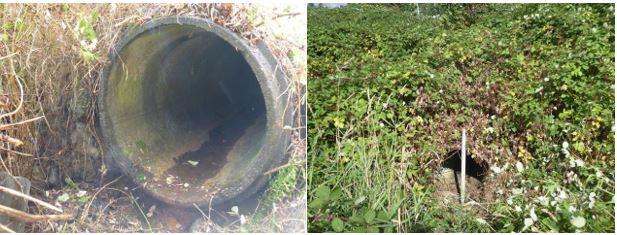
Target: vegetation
(50, 58)
(391, 90)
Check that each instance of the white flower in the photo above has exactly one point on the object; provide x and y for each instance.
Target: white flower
(578, 221)
(517, 191)
(491, 130)
(543, 200)
(528, 222)
(381, 124)
(562, 195)
(496, 169)
(509, 201)
(80, 193)
(242, 219)
(518, 209)
(571, 209)
(519, 166)
(576, 162)
(532, 214)
(546, 79)
(598, 173)
(565, 145)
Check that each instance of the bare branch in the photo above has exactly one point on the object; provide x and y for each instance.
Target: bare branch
(4, 210)
(28, 197)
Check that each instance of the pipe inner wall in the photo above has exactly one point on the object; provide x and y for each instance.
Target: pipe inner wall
(185, 115)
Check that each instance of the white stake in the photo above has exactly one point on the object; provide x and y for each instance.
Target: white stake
(463, 163)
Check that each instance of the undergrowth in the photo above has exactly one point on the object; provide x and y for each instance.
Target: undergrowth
(55, 52)
(391, 90)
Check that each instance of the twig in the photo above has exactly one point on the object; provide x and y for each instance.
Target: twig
(4, 127)
(278, 168)
(32, 218)
(202, 212)
(21, 95)
(11, 140)
(28, 197)
(8, 56)
(16, 152)
(142, 212)
(6, 229)
(87, 208)
(291, 14)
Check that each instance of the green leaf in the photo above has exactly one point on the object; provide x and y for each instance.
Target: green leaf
(338, 225)
(369, 216)
(383, 215)
(579, 147)
(63, 198)
(88, 56)
(83, 199)
(323, 192)
(359, 200)
(336, 194)
(70, 183)
(372, 229)
(234, 210)
(316, 203)
(355, 218)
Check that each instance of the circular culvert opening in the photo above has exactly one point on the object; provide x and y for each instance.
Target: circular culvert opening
(184, 112)
(447, 179)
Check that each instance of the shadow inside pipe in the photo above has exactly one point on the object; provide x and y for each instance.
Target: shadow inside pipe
(473, 168)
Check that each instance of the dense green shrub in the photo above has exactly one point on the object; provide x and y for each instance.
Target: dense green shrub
(389, 91)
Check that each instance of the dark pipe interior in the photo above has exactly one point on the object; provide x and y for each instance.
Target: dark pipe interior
(181, 98)
(473, 168)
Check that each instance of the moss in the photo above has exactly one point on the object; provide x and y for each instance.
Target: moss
(279, 189)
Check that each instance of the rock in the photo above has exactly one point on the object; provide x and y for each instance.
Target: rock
(16, 183)
(53, 178)
(445, 182)
(445, 185)
(473, 187)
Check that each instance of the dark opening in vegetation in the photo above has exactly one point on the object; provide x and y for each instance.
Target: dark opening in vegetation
(473, 168)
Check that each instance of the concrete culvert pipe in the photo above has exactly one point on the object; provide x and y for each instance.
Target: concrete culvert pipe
(193, 112)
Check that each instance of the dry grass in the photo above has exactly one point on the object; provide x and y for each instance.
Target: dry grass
(49, 85)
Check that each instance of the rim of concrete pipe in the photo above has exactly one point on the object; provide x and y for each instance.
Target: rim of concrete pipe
(268, 155)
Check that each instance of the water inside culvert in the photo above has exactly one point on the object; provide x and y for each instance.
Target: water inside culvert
(195, 167)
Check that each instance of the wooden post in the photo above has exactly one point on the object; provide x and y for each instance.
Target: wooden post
(463, 163)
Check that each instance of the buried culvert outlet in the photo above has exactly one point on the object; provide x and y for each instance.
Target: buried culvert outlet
(192, 112)
(448, 177)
